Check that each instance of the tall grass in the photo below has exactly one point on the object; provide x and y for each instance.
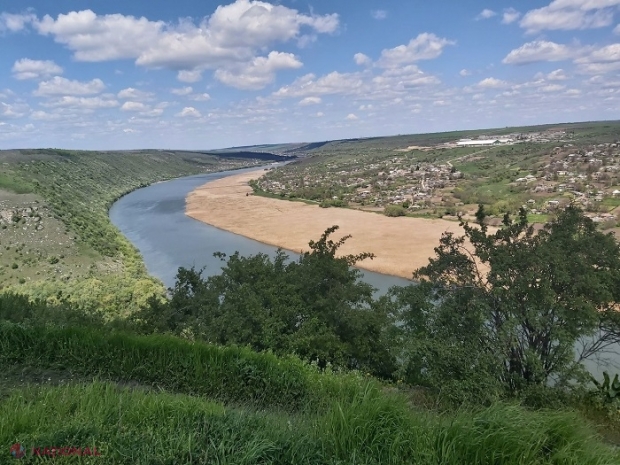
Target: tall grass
(229, 374)
(143, 427)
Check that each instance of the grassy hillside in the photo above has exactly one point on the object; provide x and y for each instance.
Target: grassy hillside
(162, 400)
(57, 241)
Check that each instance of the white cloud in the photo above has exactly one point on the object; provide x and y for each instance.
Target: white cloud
(320, 114)
(351, 117)
(424, 47)
(134, 106)
(82, 103)
(259, 72)
(8, 111)
(310, 101)
(189, 112)
(465, 72)
(540, 50)
(492, 83)
(15, 22)
(486, 14)
(361, 59)
(227, 41)
(189, 76)
(570, 15)
(379, 14)
(201, 97)
(62, 86)
(35, 69)
(604, 54)
(182, 91)
(557, 75)
(552, 88)
(133, 94)
(332, 83)
(44, 116)
(153, 112)
(510, 15)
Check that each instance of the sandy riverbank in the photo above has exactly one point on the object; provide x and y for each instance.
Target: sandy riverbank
(400, 244)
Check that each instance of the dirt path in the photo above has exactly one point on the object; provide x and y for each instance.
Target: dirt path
(400, 244)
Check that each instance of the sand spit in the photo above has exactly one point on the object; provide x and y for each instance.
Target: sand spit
(400, 244)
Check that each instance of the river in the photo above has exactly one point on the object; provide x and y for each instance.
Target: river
(153, 219)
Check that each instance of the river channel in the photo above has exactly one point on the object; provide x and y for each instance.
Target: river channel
(153, 219)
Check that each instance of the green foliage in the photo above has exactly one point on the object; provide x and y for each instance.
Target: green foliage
(609, 390)
(504, 311)
(394, 210)
(316, 307)
(141, 426)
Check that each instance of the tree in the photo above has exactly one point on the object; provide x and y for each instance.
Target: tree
(515, 303)
(316, 307)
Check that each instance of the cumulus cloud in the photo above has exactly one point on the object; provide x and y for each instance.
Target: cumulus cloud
(361, 59)
(351, 117)
(134, 106)
(492, 83)
(133, 94)
(15, 22)
(465, 72)
(332, 83)
(189, 112)
(557, 75)
(62, 86)
(189, 76)
(310, 101)
(9, 111)
(201, 97)
(540, 50)
(424, 47)
(570, 15)
(233, 32)
(182, 91)
(379, 14)
(35, 69)
(82, 103)
(228, 41)
(510, 15)
(486, 14)
(259, 72)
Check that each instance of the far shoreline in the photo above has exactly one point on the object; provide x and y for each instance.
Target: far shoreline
(401, 245)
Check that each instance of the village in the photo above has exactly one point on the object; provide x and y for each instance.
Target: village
(587, 175)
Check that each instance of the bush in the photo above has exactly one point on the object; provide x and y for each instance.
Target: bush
(394, 210)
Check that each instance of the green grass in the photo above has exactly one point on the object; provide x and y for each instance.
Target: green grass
(13, 184)
(138, 426)
(612, 202)
(537, 218)
(228, 374)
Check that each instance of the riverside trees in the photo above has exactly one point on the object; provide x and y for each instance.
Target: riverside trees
(507, 310)
(493, 313)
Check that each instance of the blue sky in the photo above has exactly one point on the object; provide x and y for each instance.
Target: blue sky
(201, 75)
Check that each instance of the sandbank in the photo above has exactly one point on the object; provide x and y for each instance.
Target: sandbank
(400, 244)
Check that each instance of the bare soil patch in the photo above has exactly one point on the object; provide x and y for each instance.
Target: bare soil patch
(401, 244)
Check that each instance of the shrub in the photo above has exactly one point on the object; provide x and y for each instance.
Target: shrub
(394, 210)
